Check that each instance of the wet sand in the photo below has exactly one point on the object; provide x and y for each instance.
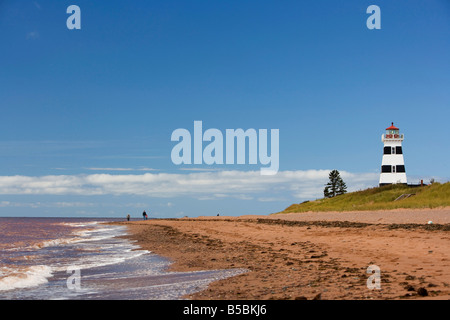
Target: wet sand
(310, 255)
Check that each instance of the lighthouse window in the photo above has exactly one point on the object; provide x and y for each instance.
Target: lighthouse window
(400, 168)
(393, 169)
(387, 150)
(398, 150)
(386, 169)
(393, 150)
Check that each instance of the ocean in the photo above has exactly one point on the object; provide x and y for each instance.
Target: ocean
(85, 259)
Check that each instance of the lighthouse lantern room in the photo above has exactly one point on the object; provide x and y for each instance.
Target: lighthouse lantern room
(393, 164)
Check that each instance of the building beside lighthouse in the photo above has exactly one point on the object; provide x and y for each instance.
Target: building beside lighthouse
(393, 165)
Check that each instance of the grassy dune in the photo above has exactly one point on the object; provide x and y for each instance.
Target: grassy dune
(381, 198)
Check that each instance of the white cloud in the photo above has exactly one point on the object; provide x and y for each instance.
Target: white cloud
(69, 204)
(121, 169)
(33, 35)
(201, 169)
(269, 199)
(245, 185)
(5, 204)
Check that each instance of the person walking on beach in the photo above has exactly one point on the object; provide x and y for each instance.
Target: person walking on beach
(144, 215)
(128, 217)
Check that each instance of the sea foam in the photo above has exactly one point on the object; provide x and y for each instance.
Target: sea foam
(27, 277)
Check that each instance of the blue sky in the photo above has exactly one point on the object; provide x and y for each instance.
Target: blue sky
(87, 114)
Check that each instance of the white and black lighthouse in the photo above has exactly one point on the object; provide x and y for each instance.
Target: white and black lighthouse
(393, 165)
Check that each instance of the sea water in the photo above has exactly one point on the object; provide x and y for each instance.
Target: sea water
(80, 258)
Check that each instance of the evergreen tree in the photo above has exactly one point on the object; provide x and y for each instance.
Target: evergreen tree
(335, 185)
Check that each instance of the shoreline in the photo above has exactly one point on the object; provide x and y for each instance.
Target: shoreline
(295, 257)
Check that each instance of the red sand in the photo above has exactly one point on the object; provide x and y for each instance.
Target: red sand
(310, 255)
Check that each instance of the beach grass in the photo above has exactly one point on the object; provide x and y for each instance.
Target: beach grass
(380, 198)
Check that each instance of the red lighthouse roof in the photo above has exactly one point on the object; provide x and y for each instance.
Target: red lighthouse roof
(392, 127)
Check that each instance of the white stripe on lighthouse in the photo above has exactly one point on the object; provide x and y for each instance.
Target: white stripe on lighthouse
(393, 164)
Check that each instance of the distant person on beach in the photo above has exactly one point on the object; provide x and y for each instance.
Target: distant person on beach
(128, 217)
(144, 215)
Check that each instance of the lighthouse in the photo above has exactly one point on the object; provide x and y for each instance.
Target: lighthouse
(393, 164)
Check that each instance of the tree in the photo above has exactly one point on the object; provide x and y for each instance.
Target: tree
(335, 185)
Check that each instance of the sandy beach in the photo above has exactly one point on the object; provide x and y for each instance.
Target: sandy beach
(310, 255)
